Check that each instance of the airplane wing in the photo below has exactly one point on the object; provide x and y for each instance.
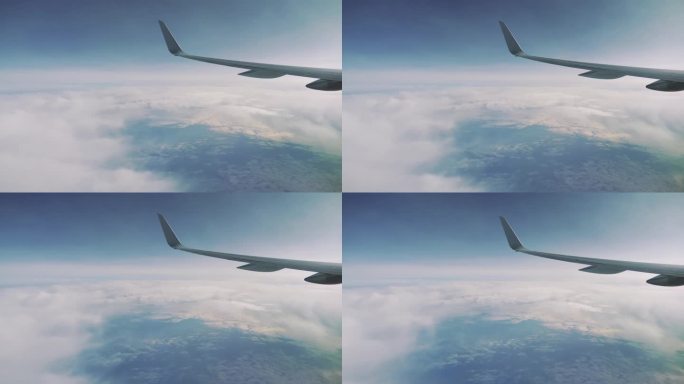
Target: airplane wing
(668, 275)
(328, 79)
(668, 80)
(326, 273)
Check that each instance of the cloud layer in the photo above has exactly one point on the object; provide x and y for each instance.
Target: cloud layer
(396, 137)
(383, 323)
(65, 131)
(53, 322)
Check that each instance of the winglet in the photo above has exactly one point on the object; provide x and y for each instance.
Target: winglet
(513, 45)
(171, 238)
(513, 240)
(171, 43)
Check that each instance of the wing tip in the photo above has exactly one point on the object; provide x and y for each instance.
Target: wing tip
(511, 237)
(171, 43)
(169, 235)
(512, 44)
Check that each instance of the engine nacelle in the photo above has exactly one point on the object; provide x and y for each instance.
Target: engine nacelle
(324, 278)
(667, 281)
(666, 86)
(325, 85)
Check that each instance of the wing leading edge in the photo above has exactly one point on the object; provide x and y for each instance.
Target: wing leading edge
(326, 273)
(668, 80)
(328, 79)
(668, 275)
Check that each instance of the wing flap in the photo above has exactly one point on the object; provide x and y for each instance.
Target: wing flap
(604, 75)
(603, 269)
(260, 267)
(666, 281)
(262, 74)
(324, 278)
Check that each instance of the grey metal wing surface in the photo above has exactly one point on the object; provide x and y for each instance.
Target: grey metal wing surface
(668, 275)
(326, 273)
(668, 80)
(328, 79)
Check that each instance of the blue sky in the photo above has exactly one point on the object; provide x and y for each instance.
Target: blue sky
(49, 34)
(448, 34)
(124, 227)
(464, 228)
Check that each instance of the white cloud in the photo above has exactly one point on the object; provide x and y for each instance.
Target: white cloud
(388, 138)
(396, 135)
(67, 142)
(382, 323)
(66, 130)
(43, 325)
